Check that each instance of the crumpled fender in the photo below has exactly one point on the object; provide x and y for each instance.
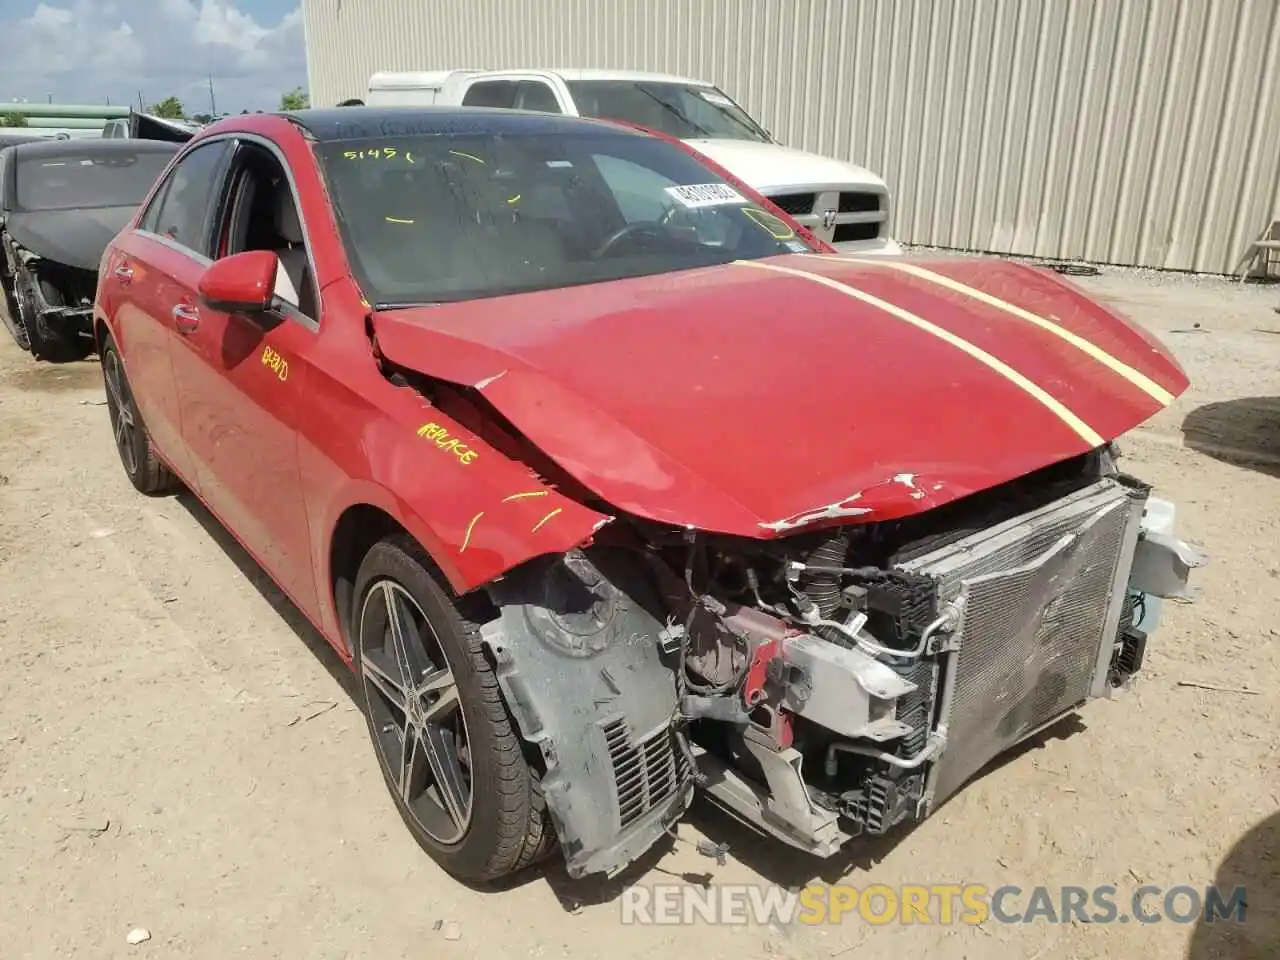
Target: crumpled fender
(477, 512)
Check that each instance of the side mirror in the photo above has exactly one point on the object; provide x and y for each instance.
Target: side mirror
(242, 283)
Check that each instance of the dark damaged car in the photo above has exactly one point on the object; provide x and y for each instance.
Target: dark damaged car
(612, 483)
(61, 202)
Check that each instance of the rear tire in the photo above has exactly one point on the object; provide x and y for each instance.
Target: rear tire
(133, 443)
(504, 827)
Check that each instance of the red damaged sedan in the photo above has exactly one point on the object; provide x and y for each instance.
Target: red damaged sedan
(612, 483)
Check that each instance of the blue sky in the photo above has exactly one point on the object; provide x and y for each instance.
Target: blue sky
(85, 51)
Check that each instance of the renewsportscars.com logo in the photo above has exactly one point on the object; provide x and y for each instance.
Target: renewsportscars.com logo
(939, 903)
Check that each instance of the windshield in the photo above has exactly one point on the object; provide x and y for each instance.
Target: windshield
(676, 109)
(438, 218)
(118, 179)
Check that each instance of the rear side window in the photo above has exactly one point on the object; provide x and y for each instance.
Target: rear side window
(491, 93)
(180, 210)
(536, 95)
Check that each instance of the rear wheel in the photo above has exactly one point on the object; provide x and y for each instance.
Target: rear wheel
(449, 755)
(144, 469)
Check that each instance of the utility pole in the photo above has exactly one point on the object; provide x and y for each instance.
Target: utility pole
(213, 104)
(142, 107)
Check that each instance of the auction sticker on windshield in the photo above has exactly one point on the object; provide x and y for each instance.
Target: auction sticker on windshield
(706, 194)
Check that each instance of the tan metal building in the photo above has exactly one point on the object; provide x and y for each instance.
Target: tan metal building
(1143, 132)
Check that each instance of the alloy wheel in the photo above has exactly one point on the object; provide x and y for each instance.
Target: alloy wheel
(120, 409)
(16, 311)
(415, 712)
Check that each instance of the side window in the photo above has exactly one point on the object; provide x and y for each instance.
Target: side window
(491, 93)
(536, 95)
(182, 214)
(263, 215)
(152, 215)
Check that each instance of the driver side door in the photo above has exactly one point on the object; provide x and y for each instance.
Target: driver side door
(244, 379)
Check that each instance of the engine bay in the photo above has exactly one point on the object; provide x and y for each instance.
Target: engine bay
(826, 684)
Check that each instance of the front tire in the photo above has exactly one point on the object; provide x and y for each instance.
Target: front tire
(13, 313)
(133, 443)
(45, 344)
(448, 752)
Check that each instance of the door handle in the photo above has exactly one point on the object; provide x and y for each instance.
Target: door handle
(124, 272)
(186, 318)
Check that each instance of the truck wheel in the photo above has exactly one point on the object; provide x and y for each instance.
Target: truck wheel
(450, 757)
(144, 469)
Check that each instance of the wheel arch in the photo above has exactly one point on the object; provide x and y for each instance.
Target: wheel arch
(358, 528)
(100, 332)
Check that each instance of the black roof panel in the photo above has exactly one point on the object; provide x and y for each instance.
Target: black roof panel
(356, 123)
(92, 147)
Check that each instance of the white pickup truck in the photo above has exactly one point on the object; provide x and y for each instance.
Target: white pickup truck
(844, 204)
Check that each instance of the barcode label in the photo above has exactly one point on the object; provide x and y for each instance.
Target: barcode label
(706, 194)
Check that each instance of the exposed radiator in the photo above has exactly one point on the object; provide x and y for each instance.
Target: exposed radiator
(1041, 597)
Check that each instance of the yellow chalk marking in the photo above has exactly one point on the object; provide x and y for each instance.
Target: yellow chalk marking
(1138, 379)
(516, 198)
(770, 224)
(277, 363)
(538, 526)
(442, 439)
(397, 220)
(459, 153)
(377, 153)
(1050, 403)
(466, 537)
(523, 496)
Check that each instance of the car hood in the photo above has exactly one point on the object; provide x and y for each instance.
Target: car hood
(760, 398)
(76, 238)
(771, 166)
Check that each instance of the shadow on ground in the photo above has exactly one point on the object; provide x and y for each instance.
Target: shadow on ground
(1243, 432)
(1253, 863)
(772, 860)
(265, 586)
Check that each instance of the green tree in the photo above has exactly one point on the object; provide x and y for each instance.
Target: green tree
(170, 108)
(295, 99)
(13, 120)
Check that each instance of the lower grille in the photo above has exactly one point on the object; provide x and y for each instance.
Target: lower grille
(796, 204)
(851, 232)
(1037, 596)
(645, 772)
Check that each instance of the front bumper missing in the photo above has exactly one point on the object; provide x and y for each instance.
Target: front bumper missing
(1045, 618)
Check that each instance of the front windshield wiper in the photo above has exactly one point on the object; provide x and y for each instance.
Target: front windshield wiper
(674, 111)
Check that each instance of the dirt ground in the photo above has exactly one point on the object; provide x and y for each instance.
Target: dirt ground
(179, 750)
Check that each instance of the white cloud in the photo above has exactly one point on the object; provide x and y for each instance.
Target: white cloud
(84, 51)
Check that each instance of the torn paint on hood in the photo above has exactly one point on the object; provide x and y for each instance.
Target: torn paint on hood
(761, 398)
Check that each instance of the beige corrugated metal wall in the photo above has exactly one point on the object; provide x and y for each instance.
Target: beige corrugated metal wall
(1119, 131)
